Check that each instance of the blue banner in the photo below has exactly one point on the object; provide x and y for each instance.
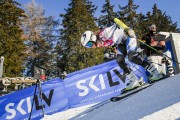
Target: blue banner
(87, 86)
(17, 105)
(98, 83)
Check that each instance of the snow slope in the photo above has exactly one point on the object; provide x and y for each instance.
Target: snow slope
(160, 101)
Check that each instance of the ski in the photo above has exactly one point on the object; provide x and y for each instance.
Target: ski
(135, 90)
(130, 92)
(120, 23)
(154, 81)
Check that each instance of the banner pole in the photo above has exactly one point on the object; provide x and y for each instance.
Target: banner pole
(33, 101)
(38, 85)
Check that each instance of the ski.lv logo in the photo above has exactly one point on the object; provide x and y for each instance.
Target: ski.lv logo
(85, 85)
(12, 110)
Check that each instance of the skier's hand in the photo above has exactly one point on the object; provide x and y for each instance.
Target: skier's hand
(113, 49)
(130, 32)
(154, 43)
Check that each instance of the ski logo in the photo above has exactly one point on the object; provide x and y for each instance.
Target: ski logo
(24, 105)
(85, 85)
(84, 36)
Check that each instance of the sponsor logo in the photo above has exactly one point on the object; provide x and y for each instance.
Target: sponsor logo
(24, 105)
(85, 85)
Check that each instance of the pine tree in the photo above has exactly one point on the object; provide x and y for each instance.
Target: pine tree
(140, 25)
(38, 31)
(107, 19)
(160, 19)
(11, 42)
(128, 14)
(78, 18)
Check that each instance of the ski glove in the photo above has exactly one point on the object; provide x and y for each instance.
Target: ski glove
(130, 32)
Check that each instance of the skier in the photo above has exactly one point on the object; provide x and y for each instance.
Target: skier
(126, 43)
(157, 41)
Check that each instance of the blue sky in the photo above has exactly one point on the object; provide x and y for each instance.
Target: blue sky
(55, 7)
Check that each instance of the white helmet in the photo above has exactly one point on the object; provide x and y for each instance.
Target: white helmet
(87, 38)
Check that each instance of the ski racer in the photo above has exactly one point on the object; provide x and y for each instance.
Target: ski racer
(126, 43)
(159, 61)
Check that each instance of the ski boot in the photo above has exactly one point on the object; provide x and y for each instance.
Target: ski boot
(133, 83)
(154, 73)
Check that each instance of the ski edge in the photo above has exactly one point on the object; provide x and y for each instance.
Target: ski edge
(117, 98)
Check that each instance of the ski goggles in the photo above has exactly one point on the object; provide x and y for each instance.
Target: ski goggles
(89, 44)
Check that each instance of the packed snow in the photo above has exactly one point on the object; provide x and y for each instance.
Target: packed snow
(161, 101)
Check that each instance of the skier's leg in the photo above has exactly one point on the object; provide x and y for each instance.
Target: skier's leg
(132, 80)
(121, 62)
(133, 56)
(121, 58)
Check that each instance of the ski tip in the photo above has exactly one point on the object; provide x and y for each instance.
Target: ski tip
(114, 99)
(120, 23)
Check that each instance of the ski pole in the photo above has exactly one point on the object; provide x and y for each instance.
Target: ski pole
(158, 51)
